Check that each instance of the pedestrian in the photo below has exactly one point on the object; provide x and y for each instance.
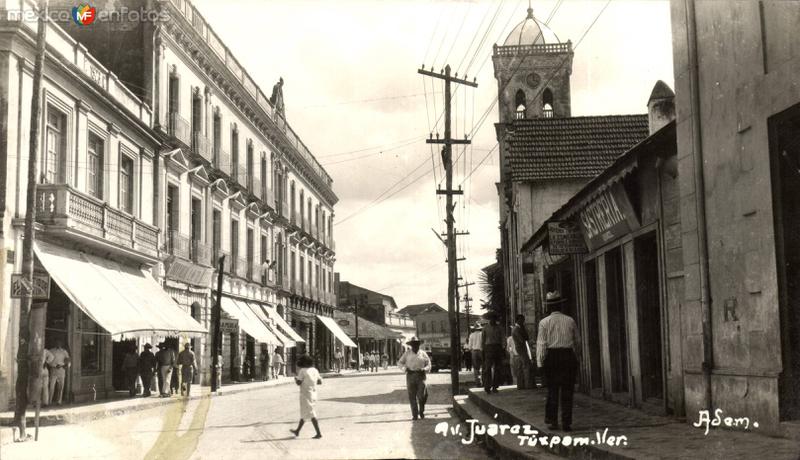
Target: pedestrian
(522, 362)
(476, 353)
(277, 363)
(58, 374)
(188, 363)
(307, 379)
(467, 356)
(236, 370)
(511, 349)
(492, 344)
(147, 368)
(416, 364)
(339, 360)
(373, 362)
(166, 361)
(220, 365)
(557, 346)
(264, 360)
(175, 381)
(47, 361)
(385, 359)
(130, 368)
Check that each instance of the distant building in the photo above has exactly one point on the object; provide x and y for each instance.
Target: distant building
(433, 328)
(379, 308)
(416, 309)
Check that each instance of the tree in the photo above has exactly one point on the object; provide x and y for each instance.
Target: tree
(492, 285)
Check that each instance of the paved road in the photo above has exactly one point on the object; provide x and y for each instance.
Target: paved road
(360, 417)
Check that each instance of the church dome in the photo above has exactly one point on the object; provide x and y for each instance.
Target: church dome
(531, 31)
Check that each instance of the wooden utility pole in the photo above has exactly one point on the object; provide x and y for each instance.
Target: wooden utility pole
(216, 319)
(31, 318)
(447, 159)
(467, 303)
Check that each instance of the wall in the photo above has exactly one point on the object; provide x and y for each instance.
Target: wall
(746, 74)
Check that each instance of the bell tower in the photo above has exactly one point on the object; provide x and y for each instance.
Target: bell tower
(532, 69)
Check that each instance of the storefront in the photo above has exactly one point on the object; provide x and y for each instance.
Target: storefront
(98, 309)
(614, 250)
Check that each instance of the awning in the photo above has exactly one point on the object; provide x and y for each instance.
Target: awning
(337, 331)
(285, 341)
(123, 300)
(248, 321)
(282, 324)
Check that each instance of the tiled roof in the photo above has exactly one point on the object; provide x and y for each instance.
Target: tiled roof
(414, 310)
(573, 147)
(366, 328)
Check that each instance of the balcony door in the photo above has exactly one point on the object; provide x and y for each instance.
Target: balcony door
(56, 146)
(171, 224)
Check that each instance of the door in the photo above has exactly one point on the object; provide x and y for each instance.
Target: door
(649, 312)
(593, 325)
(617, 323)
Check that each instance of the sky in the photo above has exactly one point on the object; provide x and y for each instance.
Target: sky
(353, 94)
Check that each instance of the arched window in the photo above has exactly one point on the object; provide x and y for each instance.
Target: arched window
(520, 103)
(547, 103)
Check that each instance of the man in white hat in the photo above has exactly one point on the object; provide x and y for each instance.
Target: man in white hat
(557, 349)
(475, 350)
(416, 364)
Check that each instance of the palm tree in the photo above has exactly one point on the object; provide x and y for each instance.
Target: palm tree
(492, 284)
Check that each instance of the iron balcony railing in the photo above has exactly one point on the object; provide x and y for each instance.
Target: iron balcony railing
(240, 268)
(202, 146)
(256, 188)
(222, 160)
(201, 253)
(177, 244)
(179, 129)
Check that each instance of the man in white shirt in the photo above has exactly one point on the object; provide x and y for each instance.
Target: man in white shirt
(556, 351)
(477, 354)
(415, 363)
(58, 373)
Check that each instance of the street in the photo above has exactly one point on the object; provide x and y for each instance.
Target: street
(365, 416)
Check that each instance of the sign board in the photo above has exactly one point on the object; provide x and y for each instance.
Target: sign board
(565, 238)
(343, 322)
(39, 289)
(229, 326)
(608, 217)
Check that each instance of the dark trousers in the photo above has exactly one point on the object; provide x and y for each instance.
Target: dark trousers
(147, 380)
(417, 392)
(130, 380)
(492, 360)
(560, 370)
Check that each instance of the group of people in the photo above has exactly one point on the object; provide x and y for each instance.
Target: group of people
(55, 363)
(243, 370)
(271, 365)
(160, 368)
(371, 361)
(556, 357)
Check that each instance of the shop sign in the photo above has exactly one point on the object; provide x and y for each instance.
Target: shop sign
(229, 326)
(608, 217)
(39, 289)
(343, 322)
(565, 238)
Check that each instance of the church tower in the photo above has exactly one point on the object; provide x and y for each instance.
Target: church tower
(533, 70)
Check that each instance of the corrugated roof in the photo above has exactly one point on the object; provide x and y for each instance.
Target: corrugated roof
(572, 147)
(366, 328)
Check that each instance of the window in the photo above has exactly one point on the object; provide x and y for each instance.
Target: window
(234, 240)
(56, 146)
(197, 113)
(250, 168)
(171, 223)
(91, 346)
(302, 269)
(264, 179)
(216, 229)
(250, 250)
(302, 206)
(174, 93)
(235, 152)
(547, 103)
(422, 327)
(126, 184)
(520, 104)
(95, 166)
(217, 134)
(264, 259)
(197, 220)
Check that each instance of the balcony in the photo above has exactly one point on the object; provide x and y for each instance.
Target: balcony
(296, 219)
(306, 290)
(179, 129)
(285, 285)
(222, 161)
(201, 253)
(256, 188)
(269, 197)
(240, 268)
(202, 146)
(229, 262)
(68, 212)
(284, 208)
(177, 244)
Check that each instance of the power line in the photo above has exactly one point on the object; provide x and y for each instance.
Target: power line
(360, 101)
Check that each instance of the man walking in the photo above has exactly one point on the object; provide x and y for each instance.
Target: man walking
(521, 360)
(339, 360)
(58, 374)
(264, 358)
(475, 349)
(47, 361)
(492, 342)
(277, 363)
(416, 364)
(147, 368)
(188, 363)
(130, 367)
(556, 348)
(166, 361)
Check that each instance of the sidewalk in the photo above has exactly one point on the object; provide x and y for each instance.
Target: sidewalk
(648, 436)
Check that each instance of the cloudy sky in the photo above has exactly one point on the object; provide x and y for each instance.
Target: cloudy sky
(353, 94)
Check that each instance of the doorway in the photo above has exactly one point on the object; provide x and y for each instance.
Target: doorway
(649, 309)
(118, 351)
(617, 324)
(593, 332)
(785, 160)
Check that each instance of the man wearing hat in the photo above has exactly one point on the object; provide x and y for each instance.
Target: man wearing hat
(493, 343)
(556, 351)
(147, 367)
(475, 351)
(415, 363)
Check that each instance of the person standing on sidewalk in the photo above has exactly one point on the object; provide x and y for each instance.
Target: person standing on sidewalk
(307, 379)
(339, 360)
(492, 342)
(476, 352)
(521, 362)
(47, 361)
(277, 363)
(188, 363)
(236, 369)
(416, 364)
(130, 367)
(147, 368)
(58, 374)
(166, 361)
(556, 351)
(264, 359)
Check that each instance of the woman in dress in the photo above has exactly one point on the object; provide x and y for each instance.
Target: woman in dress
(307, 379)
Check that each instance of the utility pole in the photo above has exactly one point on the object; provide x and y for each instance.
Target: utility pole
(467, 304)
(358, 344)
(447, 159)
(216, 340)
(31, 318)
